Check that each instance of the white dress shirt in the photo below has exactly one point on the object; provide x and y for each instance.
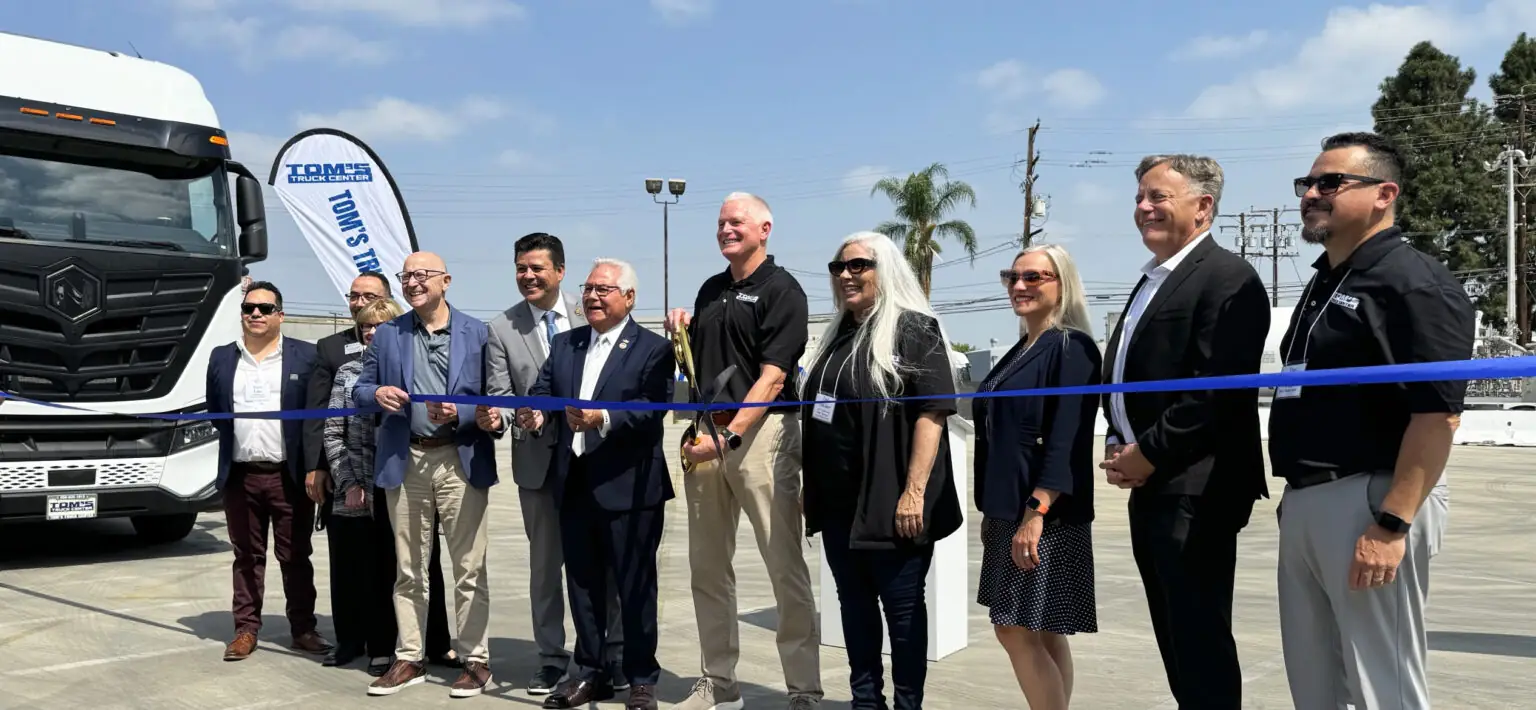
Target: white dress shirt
(1156, 274)
(598, 349)
(258, 388)
(562, 323)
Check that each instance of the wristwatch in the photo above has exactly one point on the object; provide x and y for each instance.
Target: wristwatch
(732, 439)
(1391, 523)
(1037, 505)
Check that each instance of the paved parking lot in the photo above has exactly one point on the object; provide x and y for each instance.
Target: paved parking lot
(90, 619)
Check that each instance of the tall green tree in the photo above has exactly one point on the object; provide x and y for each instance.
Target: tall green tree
(922, 203)
(1450, 205)
(1514, 83)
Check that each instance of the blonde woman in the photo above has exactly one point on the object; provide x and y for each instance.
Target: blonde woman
(1035, 478)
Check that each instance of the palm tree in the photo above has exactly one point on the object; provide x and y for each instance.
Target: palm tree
(921, 206)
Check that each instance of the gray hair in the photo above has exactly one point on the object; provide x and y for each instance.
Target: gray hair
(1204, 174)
(1071, 312)
(759, 205)
(628, 281)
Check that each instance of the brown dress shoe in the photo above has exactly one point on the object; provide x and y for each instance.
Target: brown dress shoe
(577, 694)
(311, 642)
(472, 681)
(240, 648)
(401, 675)
(641, 697)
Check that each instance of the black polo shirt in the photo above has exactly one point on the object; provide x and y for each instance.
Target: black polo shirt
(1387, 304)
(761, 319)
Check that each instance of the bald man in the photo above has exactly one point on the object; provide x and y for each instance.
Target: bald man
(432, 460)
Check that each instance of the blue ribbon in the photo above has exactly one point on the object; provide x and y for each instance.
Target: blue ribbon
(1455, 370)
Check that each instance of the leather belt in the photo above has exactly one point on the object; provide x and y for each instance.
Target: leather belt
(259, 466)
(1306, 480)
(430, 442)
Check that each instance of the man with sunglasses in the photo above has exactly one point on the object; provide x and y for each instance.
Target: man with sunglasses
(1193, 459)
(753, 315)
(433, 462)
(1365, 503)
(261, 468)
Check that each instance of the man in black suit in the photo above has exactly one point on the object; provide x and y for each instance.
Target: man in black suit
(611, 480)
(1193, 459)
(352, 628)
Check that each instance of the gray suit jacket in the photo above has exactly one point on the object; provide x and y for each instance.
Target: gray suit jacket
(514, 353)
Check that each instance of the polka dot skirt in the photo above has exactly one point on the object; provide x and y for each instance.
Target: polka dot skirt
(1056, 596)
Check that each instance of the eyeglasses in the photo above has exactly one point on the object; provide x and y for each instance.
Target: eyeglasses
(418, 275)
(1329, 183)
(602, 290)
(1032, 278)
(854, 266)
(368, 297)
(266, 309)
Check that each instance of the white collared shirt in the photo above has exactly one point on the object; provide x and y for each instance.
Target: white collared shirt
(1156, 274)
(562, 322)
(258, 387)
(599, 348)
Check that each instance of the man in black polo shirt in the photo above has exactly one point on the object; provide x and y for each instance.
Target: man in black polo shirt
(753, 315)
(1365, 504)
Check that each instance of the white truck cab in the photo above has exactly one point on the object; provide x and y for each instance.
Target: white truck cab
(122, 252)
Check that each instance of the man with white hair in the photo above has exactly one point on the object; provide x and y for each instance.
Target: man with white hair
(611, 483)
(753, 315)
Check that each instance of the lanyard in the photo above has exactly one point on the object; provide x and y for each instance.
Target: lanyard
(1307, 343)
(837, 380)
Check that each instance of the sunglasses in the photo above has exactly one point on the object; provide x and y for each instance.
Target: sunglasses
(854, 266)
(1032, 278)
(266, 309)
(1329, 183)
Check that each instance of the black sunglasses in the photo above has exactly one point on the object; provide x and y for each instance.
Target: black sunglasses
(1010, 277)
(266, 309)
(1329, 183)
(854, 266)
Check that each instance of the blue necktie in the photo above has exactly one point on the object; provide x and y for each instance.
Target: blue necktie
(549, 328)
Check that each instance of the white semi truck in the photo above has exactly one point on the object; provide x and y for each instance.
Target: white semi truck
(122, 252)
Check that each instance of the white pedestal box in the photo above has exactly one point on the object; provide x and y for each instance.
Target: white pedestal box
(948, 589)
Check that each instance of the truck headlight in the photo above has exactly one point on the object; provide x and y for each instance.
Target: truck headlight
(192, 434)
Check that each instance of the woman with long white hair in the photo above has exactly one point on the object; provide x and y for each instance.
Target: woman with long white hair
(1035, 478)
(878, 480)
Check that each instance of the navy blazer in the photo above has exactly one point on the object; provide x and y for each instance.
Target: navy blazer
(1047, 441)
(299, 359)
(390, 361)
(628, 468)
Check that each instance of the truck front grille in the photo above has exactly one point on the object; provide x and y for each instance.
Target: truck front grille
(113, 474)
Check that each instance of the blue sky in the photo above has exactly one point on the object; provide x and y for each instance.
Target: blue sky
(500, 118)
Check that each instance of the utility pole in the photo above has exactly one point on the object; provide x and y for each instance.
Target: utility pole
(1029, 185)
(1275, 237)
(1510, 159)
(1522, 243)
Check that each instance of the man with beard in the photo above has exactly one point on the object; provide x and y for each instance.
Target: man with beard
(1365, 503)
(356, 633)
(516, 350)
(432, 461)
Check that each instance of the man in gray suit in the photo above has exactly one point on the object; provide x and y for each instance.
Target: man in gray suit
(514, 353)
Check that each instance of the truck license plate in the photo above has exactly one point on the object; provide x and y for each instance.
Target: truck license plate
(72, 507)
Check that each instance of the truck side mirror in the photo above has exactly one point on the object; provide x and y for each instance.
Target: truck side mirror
(251, 215)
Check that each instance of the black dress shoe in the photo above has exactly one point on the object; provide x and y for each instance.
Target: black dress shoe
(578, 693)
(544, 680)
(341, 655)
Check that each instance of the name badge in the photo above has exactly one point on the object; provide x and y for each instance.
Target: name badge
(1291, 391)
(353, 348)
(822, 410)
(256, 390)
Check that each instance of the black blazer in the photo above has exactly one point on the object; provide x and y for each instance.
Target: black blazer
(334, 351)
(298, 363)
(628, 468)
(1024, 443)
(1209, 318)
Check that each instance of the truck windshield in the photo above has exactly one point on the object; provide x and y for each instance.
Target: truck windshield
(53, 200)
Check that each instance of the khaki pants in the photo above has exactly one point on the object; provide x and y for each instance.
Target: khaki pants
(762, 478)
(436, 483)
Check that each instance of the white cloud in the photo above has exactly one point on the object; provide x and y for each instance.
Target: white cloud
(256, 41)
(864, 177)
(255, 151)
(680, 11)
(1345, 61)
(1006, 80)
(1223, 47)
(305, 41)
(1072, 88)
(392, 118)
(420, 13)
(1013, 86)
(514, 159)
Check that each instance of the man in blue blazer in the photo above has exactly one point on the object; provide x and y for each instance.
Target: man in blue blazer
(261, 467)
(611, 480)
(432, 460)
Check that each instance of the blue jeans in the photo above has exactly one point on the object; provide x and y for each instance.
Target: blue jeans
(866, 581)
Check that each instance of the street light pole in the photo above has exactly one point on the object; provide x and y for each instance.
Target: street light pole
(676, 188)
(1511, 158)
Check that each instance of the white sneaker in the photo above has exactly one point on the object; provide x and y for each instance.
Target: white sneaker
(708, 696)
